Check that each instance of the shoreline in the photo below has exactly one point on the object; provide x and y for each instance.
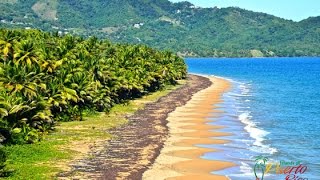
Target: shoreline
(180, 158)
(136, 145)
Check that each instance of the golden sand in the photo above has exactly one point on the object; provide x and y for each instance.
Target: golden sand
(180, 158)
(191, 142)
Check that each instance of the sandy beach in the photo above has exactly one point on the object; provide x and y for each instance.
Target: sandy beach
(136, 145)
(180, 158)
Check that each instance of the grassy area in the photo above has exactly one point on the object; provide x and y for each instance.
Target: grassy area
(71, 141)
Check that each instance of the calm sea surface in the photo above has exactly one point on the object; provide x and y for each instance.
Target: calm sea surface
(273, 110)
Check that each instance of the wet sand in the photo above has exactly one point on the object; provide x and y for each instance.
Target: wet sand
(180, 158)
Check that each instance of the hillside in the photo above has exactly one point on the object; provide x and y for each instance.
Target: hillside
(181, 27)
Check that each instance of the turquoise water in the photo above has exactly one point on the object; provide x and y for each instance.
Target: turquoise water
(273, 110)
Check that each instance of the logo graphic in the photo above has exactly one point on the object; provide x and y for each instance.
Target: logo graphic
(291, 170)
(260, 166)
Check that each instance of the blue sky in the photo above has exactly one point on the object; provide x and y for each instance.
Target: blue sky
(289, 9)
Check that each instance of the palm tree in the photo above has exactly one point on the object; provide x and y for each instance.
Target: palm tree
(44, 77)
(26, 54)
(7, 40)
(261, 165)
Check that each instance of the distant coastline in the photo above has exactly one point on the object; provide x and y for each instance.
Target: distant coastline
(179, 27)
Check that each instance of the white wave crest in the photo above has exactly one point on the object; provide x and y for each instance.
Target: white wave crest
(257, 134)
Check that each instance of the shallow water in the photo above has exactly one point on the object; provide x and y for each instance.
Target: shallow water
(273, 110)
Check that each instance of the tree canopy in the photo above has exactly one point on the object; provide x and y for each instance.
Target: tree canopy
(45, 78)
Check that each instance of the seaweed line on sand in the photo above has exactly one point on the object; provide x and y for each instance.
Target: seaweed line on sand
(136, 145)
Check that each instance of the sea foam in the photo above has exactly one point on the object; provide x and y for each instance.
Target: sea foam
(256, 133)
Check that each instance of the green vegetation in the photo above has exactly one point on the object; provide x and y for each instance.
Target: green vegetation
(180, 27)
(3, 160)
(46, 78)
(70, 141)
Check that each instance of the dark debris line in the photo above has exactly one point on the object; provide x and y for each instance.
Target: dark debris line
(137, 144)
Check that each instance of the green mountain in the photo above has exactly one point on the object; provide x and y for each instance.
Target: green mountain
(180, 27)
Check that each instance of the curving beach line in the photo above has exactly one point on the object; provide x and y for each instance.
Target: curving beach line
(180, 157)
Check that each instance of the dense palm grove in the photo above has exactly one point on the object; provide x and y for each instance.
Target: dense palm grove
(45, 78)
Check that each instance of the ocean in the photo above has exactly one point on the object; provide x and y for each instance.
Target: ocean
(272, 111)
